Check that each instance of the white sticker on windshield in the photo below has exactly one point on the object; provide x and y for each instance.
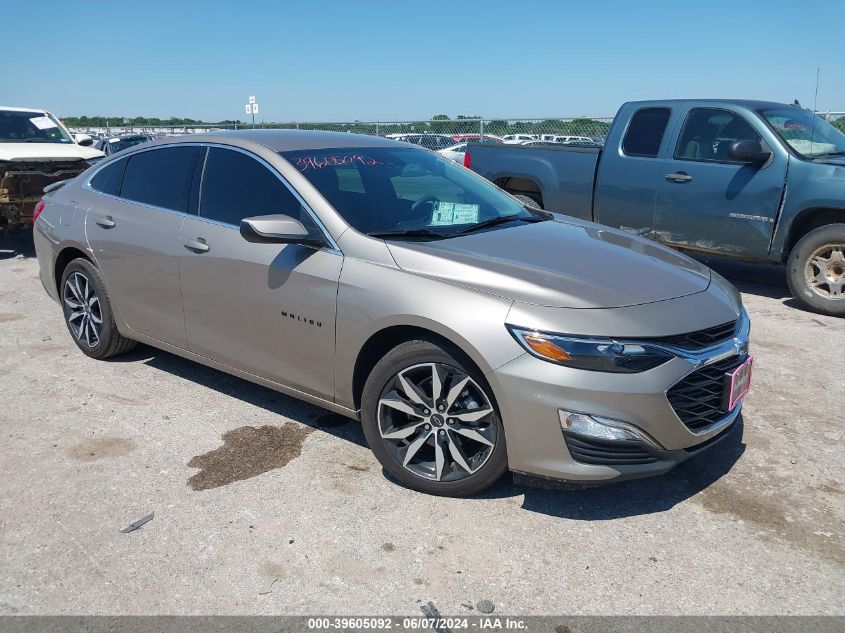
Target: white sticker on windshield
(43, 122)
(114, 140)
(451, 213)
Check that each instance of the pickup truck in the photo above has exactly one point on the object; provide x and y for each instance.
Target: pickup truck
(36, 150)
(753, 180)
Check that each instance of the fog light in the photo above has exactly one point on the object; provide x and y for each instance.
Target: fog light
(602, 428)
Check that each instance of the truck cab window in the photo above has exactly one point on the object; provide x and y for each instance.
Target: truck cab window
(646, 132)
(709, 132)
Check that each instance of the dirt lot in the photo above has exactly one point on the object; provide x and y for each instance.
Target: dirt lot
(266, 505)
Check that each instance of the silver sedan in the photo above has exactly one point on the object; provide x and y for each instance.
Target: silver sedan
(469, 333)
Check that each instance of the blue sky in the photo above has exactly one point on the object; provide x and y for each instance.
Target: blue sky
(399, 59)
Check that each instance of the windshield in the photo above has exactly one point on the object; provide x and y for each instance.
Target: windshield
(117, 144)
(405, 190)
(806, 133)
(31, 127)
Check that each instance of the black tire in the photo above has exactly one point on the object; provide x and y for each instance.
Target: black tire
(531, 202)
(109, 342)
(413, 354)
(809, 246)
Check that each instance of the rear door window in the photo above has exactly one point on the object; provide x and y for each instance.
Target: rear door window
(645, 132)
(236, 186)
(160, 177)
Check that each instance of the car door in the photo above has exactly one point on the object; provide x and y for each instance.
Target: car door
(628, 173)
(267, 309)
(133, 229)
(707, 201)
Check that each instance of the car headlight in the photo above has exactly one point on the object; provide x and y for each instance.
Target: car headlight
(591, 354)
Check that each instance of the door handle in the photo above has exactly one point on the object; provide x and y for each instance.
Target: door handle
(679, 176)
(198, 245)
(106, 222)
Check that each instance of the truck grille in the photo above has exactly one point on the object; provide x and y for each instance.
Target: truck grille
(588, 450)
(700, 339)
(699, 397)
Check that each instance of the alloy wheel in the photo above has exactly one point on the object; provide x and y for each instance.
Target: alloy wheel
(85, 316)
(825, 271)
(437, 422)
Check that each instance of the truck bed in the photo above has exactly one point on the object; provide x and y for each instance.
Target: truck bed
(536, 172)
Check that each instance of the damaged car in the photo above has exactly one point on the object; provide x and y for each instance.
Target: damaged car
(36, 150)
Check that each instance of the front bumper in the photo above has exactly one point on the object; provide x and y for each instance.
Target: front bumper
(531, 393)
(664, 462)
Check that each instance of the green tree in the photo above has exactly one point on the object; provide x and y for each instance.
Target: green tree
(440, 124)
(497, 126)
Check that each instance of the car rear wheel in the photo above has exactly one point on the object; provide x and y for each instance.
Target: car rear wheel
(429, 418)
(816, 270)
(88, 312)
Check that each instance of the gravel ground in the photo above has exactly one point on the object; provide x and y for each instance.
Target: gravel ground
(263, 504)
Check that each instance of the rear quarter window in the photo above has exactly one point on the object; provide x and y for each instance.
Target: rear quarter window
(108, 179)
(645, 132)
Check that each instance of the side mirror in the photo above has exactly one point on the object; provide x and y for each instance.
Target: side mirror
(83, 139)
(748, 152)
(277, 229)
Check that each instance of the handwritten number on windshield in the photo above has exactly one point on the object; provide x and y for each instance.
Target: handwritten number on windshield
(304, 163)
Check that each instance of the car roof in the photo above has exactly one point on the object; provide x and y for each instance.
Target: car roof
(286, 140)
(16, 109)
(752, 104)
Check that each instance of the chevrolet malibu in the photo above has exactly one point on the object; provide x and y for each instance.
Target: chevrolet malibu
(469, 333)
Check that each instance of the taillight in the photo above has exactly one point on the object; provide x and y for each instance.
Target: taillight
(467, 160)
(37, 211)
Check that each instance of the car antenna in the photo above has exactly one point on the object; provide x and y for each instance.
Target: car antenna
(815, 106)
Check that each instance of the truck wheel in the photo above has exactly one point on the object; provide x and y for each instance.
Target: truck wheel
(531, 202)
(815, 270)
(88, 312)
(429, 418)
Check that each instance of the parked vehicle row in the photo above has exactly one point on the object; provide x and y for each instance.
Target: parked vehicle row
(113, 144)
(446, 142)
(470, 334)
(754, 180)
(522, 139)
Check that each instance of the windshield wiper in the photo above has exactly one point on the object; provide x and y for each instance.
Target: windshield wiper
(500, 220)
(408, 233)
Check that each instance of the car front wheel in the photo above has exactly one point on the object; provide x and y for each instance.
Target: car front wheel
(429, 418)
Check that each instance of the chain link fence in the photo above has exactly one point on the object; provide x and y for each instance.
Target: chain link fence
(432, 133)
(836, 119)
(437, 133)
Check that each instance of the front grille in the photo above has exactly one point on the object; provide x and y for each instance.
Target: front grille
(698, 399)
(588, 450)
(700, 339)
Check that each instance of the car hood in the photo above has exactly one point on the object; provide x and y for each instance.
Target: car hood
(47, 151)
(838, 161)
(558, 263)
